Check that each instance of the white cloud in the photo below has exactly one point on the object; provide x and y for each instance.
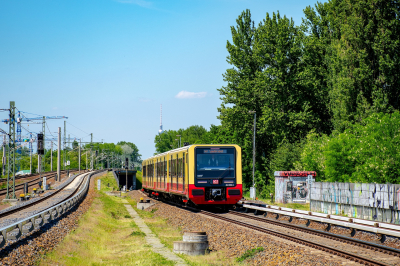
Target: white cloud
(190, 95)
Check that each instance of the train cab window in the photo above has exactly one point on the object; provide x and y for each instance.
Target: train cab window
(215, 162)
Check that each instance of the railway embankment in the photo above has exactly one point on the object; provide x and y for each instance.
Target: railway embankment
(230, 244)
(30, 248)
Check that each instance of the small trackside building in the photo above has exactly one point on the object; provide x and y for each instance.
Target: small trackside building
(293, 186)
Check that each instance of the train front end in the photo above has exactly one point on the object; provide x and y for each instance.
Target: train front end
(215, 174)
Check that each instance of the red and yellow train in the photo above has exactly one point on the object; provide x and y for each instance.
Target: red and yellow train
(196, 174)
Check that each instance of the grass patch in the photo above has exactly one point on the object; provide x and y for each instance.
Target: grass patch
(168, 234)
(138, 179)
(105, 237)
(138, 233)
(108, 183)
(249, 253)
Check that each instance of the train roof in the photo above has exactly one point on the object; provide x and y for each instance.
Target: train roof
(182, 149)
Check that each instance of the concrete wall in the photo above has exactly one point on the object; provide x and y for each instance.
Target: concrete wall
(377, 202)
(120, 176)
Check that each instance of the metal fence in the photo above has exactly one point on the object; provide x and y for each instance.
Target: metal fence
(376, 202)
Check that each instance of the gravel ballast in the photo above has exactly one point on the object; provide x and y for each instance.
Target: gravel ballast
(33, 246)
(236, 240)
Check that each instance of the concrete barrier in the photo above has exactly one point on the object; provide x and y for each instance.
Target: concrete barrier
(194, 243)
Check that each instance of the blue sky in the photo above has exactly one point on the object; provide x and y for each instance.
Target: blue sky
(109, 64)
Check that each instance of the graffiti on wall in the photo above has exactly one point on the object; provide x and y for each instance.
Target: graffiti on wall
(363, 200)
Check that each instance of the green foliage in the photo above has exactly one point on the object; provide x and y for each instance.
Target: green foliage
(169, 140)
(359, 46)
(249, 253)
(366, 152)
(326, 94)
(267, 76)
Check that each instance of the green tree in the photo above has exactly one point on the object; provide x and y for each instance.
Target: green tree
(359, 41)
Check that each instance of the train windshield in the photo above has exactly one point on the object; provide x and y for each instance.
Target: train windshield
(215, 162)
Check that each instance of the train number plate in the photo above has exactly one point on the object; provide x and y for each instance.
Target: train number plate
(215, 181)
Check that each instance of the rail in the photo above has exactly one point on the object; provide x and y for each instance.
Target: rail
(16, 230)
(383, 229)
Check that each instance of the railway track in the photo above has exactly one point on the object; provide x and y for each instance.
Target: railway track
(339, 238)
(300, 240)
(318, 246)
(40, 212)
(33, 182)
(28, 204)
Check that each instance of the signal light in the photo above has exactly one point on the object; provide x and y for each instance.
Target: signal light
(156, 194)
(40, 144)
(185, 200)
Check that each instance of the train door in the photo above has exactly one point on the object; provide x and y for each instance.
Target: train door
(170, 173)
(158, 174)
(183, 172)
(164, 171)
(178, 171)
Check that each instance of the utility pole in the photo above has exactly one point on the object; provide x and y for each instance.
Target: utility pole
(59, 155)
(30, 150)
(68, 154)
(254, 156)
(91, 152)
(79, 156)
(65, 142)
(11, 154)
(51, 157)
(4, 155)
(44, 146)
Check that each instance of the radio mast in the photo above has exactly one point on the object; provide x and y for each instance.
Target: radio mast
(160, 131)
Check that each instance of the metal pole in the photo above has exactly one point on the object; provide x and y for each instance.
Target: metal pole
(4, 155)
(43, 159)
(79, 158)
(91, 152)
(30, 152)
(59, 155)
(254, 150)
(65, 143)
(51, 158)
(38, 164)
(11, 154)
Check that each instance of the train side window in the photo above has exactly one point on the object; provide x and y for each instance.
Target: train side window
(165, 168)
(183, 165)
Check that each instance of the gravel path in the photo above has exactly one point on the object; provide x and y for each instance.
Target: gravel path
(236, 240)
(31, 248)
